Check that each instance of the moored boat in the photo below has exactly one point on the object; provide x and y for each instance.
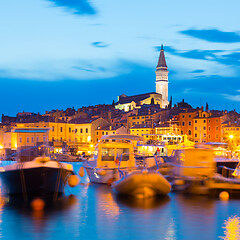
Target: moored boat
(104, 167)
(142, 184)
(40, 177)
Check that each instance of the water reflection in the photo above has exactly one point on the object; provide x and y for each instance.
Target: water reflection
(232, 228)
(148, 203)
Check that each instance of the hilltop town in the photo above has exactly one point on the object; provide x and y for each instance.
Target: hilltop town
(150, 115)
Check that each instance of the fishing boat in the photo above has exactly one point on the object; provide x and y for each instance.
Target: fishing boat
(39, 177)
(142, 184)
(103, 167)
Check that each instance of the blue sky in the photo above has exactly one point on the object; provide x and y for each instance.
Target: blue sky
(63, 53)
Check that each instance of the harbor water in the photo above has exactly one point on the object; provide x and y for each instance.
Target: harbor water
(92, 211)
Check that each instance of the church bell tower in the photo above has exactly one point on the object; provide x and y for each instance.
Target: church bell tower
(162, 78)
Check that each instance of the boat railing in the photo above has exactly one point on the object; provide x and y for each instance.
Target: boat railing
(140, 162)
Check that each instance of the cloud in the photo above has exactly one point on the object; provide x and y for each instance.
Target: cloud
(81, 7)
(198, 71)
(100, 44)
(224, 57)
(213, 35)
(235, 98)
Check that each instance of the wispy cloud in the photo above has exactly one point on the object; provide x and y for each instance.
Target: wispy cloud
(100, 44)
(235, 98)
(82, 7)
(224, 57)
(213, 35)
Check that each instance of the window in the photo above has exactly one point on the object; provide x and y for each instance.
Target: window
(204, 128)
(37, 139)
(61, 129)
(189, 123)
(61, 139)
(137, 117)
(183, 116)
(204, 135)
(216, 136)
(97, 139)
(142, 117)
(44, 139)
(195, 128)
(70, 129)
(107, 154)
(86, 130)
(195, 135)
(183, 123)
(134, 118)
(209, 128)
(53, 139)
(32, 139)
(20, 139)
(106, 133)
(195, 121)
(216, 120)
(204, 121)
(189, 115)
(204, 115)
(27, 139)
(81, 130)
(181, 132)
(53, 128)
(209, 136)
(189, 132)
(97, 132)
(216, 128)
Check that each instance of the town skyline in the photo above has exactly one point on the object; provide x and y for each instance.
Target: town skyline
(57, 54)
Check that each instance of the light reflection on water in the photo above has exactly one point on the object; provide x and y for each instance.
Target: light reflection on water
(93, 212)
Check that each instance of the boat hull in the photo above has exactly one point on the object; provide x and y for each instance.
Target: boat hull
(142, 184)
(39, 181)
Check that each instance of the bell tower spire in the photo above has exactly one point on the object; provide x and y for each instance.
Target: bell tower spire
(162, 78)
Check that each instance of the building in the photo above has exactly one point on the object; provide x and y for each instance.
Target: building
(109, 130)
(159, 97)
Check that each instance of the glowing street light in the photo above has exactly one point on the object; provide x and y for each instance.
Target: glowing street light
(231, 136)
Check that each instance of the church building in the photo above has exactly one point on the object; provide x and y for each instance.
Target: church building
(160, 97)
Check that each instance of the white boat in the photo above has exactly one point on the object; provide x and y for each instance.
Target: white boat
(142, 184)
(104, 167)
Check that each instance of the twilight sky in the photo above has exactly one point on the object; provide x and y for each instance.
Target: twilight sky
(63, 53)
